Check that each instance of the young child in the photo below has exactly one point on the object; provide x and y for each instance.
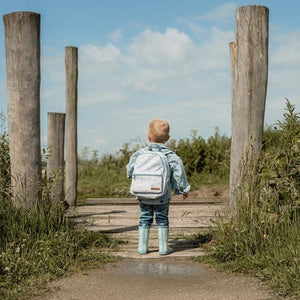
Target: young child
(158, 134)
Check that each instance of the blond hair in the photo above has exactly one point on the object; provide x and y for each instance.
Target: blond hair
(159, 130)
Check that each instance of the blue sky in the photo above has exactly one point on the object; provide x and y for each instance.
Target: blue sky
(140, 60)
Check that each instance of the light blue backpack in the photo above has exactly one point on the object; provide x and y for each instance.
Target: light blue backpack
(151, 174)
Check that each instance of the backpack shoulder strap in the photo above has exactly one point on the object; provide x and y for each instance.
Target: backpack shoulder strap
(167, 151)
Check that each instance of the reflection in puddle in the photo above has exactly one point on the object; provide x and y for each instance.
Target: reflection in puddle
(160, 268)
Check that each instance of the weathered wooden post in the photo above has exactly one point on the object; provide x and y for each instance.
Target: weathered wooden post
(22, 47)
(71, 64)
(236, 132)
(55, 161)
(250, 88)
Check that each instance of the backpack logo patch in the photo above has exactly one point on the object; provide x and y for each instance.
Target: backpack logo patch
(155, 189)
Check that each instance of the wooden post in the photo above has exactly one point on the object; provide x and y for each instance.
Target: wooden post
(236, 131)
(71, 64)
(55, 161)
(22, 47)
(250, 88)
(252, 35)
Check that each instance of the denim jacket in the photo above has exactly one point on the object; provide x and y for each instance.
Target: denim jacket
(178, 180)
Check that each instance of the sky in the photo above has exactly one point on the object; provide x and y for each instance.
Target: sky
(140, 60)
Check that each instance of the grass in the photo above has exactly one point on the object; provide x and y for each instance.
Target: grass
(198, 180)
(102, 182)
(40, 244)
(262, 236)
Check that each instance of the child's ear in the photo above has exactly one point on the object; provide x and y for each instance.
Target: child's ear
(149, 137)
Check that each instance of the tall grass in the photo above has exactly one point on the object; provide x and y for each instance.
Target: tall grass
(40, 244)
(105, 177)
(262, 236)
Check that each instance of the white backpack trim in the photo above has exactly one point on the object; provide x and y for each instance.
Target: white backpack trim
(151, 174)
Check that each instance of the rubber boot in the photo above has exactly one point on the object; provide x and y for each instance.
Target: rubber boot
(163, 235)
(143, 239)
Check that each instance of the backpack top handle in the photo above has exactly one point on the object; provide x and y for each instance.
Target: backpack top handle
(150, 148)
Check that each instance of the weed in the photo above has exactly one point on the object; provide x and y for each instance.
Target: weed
(40, 244)
(262, 236)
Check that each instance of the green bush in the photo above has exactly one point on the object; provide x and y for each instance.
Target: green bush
(192, 151)
(4, 166)
(206, 163)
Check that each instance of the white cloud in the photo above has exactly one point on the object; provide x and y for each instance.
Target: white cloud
(158, 74)
(287, 49)
(164, 74)
(116, 36)
(220, 14)
(284, 73)
(99, 142)
(99, 96)
(167, 63)
(52, 81)
(106, 54)
(200, 31)
(154, 47)
(53, 67)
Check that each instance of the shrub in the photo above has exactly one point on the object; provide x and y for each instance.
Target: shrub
(206, 162)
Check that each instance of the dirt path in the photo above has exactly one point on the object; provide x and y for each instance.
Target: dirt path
(166, 279)
(151, 276)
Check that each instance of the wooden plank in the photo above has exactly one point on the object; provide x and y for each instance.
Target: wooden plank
(133, 201)
(122, 220)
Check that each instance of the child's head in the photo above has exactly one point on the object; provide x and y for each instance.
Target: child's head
(158, 131)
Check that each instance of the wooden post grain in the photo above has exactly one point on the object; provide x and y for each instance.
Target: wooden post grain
(22, 47)
(55, 161)
(252, 35)
(237, 136)
(250, 87)
(71, 64)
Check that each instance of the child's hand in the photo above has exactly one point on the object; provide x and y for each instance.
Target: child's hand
(184, 196)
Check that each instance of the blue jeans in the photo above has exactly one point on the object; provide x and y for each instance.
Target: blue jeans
(161, 214)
